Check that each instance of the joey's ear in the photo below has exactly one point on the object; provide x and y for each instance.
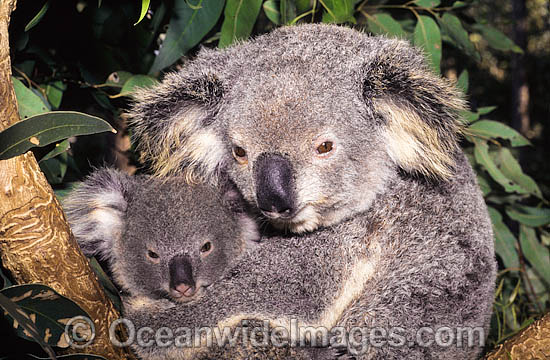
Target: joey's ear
(96, 211)
(419, 110)
(174, 129)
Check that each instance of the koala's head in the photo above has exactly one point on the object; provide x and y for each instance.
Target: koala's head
(310, 122)
(161, 238)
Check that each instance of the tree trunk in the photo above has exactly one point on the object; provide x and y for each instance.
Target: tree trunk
(531, 343)
(36, 243)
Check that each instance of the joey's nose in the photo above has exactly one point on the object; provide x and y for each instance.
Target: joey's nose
(181, 276)
(275, 185)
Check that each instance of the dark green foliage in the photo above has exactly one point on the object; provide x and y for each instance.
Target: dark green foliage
(94, 59)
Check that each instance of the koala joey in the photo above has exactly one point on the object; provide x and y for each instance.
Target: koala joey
(160, 238)
(350, 143)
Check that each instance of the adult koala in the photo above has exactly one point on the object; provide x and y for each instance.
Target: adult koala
(331, 133)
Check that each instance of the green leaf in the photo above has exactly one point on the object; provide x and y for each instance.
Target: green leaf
(496, 39)
(144, 8)
(288, 11)
(530, 216)
(67, 188)
(25, 326)
(117, 79)
(428, 37)
(453, 27)
(485, 110)
(36, 19)
(186, 29)
(536, 253)
(468, 116)
(271, 10)
(44, 129)
(463, 81)
(239, 19)
(47, 309)
(338, 11)
(59, 149)
(302, 6)
(29, 103)
(494, 129)
(54, 93)
(481, 153)
(511, 168)
(428, 3)
(107, 284)
(483, 185)
(383, 23)
(505, 242)
(55, 169)
(459, 4)
(135, 82)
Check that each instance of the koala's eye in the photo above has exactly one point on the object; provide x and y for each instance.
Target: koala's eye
(325, 147)
(153, 255)
(206, 247)
(240, 155)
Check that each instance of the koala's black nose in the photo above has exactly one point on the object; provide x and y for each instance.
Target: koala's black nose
(275, 184)
(181, 275)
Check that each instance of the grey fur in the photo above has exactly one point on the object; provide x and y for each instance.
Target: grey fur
(392, 228)
(121, 218)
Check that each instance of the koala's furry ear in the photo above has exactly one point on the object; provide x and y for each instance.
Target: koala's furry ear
(172, 126)
(420, 110)
(96, 211)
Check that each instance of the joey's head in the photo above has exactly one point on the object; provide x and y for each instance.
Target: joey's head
(160, 238)
(310, 122)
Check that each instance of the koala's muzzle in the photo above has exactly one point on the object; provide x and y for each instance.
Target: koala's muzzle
(181, 277)
(274, 185)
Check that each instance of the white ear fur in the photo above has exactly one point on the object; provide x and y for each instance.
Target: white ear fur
(96, 212)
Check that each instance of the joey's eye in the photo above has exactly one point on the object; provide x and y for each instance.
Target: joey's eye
(206, 247)
(325, 147)
(153, 255)
(240, 154)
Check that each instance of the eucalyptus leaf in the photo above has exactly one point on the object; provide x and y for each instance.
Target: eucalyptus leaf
(496, 39)
(188, 25)
(428, 3)
(54, 93)
(135, 82)
(482, 156)
(338, 11)
(271, 10)
(239, 19)
(117, 79)
(47, 309)
(44, 129)
(463, 81)
(511, 168)
(383, 23)
(537, 254)
(287, 11)
(453, 27)
(144, 8)
(428, 37)
(36, 19)
(55, 169)
(23, 322)
(528, 215)
(28, 102)
(493, 129)
(505, 242)
(484, 110)
(59, 149)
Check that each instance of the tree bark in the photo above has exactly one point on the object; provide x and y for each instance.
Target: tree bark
(36, 243)
(531, 343)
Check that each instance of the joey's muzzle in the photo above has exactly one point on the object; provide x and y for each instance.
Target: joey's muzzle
(274, 185)
(181, 277)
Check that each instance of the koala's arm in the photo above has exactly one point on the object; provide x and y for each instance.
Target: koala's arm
(438, 270)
